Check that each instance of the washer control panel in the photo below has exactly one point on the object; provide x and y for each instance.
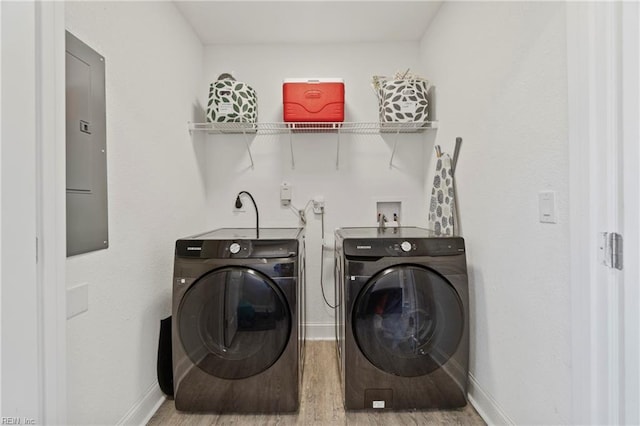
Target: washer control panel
(401, 247)
(380, 247)
(238, 249)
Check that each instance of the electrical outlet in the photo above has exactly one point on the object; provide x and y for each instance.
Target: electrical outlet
(285, 193)
(318, 204)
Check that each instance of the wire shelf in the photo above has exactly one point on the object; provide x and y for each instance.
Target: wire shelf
(312, 127)
(251, 129)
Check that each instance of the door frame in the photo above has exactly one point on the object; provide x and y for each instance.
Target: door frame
(33, 256)
(51, 208)
(631, 209)
(599, 148)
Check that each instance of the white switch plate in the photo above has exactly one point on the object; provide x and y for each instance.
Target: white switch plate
(547, 206)
(77, 300)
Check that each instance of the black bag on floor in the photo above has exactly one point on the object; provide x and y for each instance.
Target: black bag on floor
(165, 358)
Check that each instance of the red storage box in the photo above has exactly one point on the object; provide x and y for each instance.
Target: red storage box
(319, 99)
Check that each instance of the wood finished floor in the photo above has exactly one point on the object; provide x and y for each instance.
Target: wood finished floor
(320, 404)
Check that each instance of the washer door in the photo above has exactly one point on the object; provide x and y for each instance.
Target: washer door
(234, 322)
(408, 320)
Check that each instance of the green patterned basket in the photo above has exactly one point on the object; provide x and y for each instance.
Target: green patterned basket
(232, 101)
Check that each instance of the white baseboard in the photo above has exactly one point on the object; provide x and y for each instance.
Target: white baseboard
(486, 406)
(321, 331)
(145, 408)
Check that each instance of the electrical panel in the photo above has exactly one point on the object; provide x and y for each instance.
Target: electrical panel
(86, 149)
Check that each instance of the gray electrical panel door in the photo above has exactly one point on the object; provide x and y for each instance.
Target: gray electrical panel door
(87, 220)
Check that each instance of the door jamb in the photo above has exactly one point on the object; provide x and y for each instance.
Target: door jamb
(50, 209)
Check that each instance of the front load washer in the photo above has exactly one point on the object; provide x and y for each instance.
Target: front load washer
(238, 315)
(402, 322)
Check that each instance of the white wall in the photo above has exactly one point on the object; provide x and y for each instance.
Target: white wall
(350, 191)
(156, 195)
(501, 74)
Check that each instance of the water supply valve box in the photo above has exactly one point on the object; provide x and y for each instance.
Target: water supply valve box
(313, 100)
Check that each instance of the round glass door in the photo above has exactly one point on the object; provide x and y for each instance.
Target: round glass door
(234, 322)
(408, 320)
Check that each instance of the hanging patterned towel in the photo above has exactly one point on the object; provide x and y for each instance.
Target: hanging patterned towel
(442, 206)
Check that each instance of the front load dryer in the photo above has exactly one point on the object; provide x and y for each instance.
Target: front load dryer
(402, 322)
(238, 315)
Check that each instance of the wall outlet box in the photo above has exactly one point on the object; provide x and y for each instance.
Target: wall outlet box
(285, 193)
(240, 209)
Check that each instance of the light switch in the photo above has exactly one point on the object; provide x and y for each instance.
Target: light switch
(547, 206)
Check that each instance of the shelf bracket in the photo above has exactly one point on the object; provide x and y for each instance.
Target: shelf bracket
(293, 162)
(338, 152)
(246, 142)
(395, 145)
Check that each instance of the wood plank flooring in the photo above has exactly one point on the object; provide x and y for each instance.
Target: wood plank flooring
(320, 404)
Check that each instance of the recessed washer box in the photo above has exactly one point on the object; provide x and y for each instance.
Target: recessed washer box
(313, 100)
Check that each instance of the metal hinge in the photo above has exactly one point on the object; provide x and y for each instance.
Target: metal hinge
(611, 249)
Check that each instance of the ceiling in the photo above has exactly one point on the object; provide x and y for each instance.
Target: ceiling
(250, 22)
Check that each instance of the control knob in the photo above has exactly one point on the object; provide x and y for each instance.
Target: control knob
(405, 246)
(234, 248)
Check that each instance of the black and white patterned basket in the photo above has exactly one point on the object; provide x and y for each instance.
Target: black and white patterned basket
(403, 101)
(232, 101)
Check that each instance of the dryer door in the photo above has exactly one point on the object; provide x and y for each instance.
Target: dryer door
(234, 322)
(408, 320)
